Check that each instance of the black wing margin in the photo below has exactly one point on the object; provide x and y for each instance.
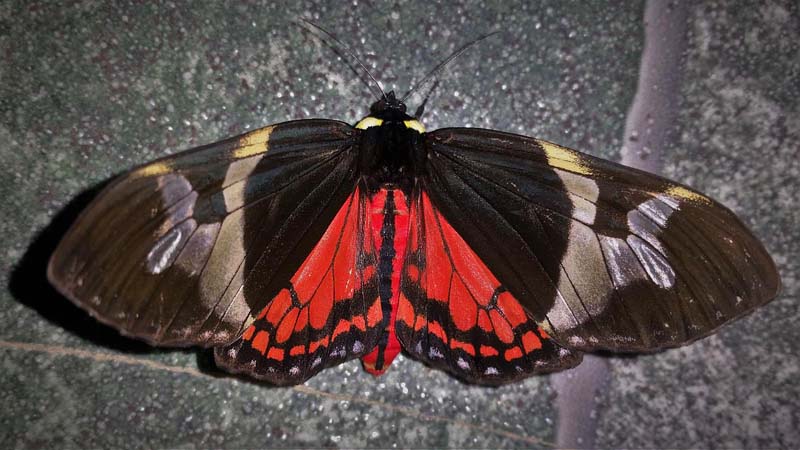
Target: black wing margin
(187, 249)
(602, 256)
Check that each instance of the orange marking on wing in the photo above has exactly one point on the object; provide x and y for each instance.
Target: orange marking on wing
(438, 267)
(368, 273)
(531, 342)
(358, 322)
(297, 350)
(543, 333)
(377, 203)
(328, 274)
(261, 341)
(501, 327)
(326, 287)
(317, 344)
(374, 314)
(511, 309)
(345, 261)
(284, 330)
(342, 327)
(477, 279)
(412, 272)
(483, 321)
(485, 350)
(435, 329)
(466, 346)
(275, 353)
(322, 302)
(420, 322)
(317, 264)
(405, 311)
(480, 282)
(463, 309)
(512, 353)
(302, 319)
(248, 333)
(379, 200)
(278, 307)
(413, 237)
(319, 310)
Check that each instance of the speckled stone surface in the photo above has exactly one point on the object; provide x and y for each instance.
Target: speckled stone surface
(89, 90)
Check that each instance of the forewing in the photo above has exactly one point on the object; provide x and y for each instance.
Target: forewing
(187, 249)
(329, 312)
(454, 314)
(602, 256)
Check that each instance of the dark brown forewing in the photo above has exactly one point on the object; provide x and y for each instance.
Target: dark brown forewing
(185, 250)
(601, 255)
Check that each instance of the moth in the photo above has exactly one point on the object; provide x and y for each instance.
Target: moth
(490, 255)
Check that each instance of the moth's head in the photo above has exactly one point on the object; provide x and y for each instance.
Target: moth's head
(389, 110)
(389, 107)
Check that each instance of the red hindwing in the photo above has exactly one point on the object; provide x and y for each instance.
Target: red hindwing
(329, 312)
(454, 314)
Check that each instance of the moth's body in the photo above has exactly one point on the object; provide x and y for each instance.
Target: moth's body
(390, 157)
(389, 219)
(493, 256)
(390, 148)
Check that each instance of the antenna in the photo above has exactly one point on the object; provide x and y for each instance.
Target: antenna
(352, 55)
(421, 107)
(433, 74)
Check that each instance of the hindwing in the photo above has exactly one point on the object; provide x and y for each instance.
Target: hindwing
(329, 312)
(454, 314)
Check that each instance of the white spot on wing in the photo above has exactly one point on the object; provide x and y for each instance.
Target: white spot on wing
(671, 202)
(435, 353)
(656, 266)
(462, 364)
(643, 227)
(659, 209)
(167, 248)
(621, 262)
(173, 187)
(491, 371)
